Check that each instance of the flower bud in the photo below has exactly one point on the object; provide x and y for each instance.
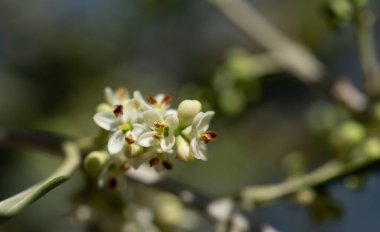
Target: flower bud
(187, 110)
(371, 147)
(168, 210)
(95, 161)
(183, 149)
(104, 107)
(349, 134)
(132, 150)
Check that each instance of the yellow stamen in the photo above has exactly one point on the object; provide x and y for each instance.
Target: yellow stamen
(158, 135)
(159, 124)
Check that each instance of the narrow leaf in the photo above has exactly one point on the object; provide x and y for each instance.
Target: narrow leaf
(14, 204)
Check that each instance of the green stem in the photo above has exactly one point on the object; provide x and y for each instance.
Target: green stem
(363, 22)
(326, 173)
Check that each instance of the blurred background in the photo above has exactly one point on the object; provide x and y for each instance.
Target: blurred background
(56, 57)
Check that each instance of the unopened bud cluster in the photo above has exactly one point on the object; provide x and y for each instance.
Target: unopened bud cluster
(147, 130)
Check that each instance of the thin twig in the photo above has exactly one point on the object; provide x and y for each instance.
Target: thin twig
(330, 171)
(291, 55)
(363, 21)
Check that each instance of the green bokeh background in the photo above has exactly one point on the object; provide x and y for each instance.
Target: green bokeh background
(56, 57)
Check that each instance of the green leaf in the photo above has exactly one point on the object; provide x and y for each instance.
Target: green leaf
(14, 204)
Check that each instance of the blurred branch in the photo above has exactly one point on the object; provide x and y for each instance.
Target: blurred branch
(344, 91)
(330, 171)
(292, 56)
(363, 21)
(225, 212)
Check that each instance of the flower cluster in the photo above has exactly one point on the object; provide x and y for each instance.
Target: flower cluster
(148, 130)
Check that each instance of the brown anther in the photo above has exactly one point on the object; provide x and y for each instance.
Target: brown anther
(159, 124)
(157, 135)
(154, 161)
(208, 136)
(167, 99)
(125, 166)
(129, 139)
(112, 182)
(167, 165)
(118, 111)
(120, 92)
(150, 99)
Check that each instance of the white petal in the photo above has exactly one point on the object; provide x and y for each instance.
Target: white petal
(143, 104)
(131, 110)
(147, 139)
(138, 129)
(111, 96)
(167, 143)
(172, 121)
(116, 142)
(159, 97)
(171, 111)
(106, 120)
(205, 120)
(199, 150)
(196, 119)
(145, 157)
(151, 116)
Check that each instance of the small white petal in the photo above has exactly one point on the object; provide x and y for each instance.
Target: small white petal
(196, 120)
(106, 120)
(116, 142)
(199, 150)
(131, 111)
(111, 96)
(167, 143)
(138, 129)
(172, 121)
(171, 111)
(143, 104)
(151, 116)
(205, 120)
(145, 157)
(159, 97)
(147, 139)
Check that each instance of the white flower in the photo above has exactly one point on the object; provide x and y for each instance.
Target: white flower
(200, 135)
(122, 123)
(113, 98)
(161, 130)
(159, 102)
(118, 97)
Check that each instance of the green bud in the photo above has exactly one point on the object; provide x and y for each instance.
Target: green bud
(371, 147)
(305, 196)
(104, 107)
(95, 161)
(168, 210)
(348, 134)
(187, 110)
(323, 117)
